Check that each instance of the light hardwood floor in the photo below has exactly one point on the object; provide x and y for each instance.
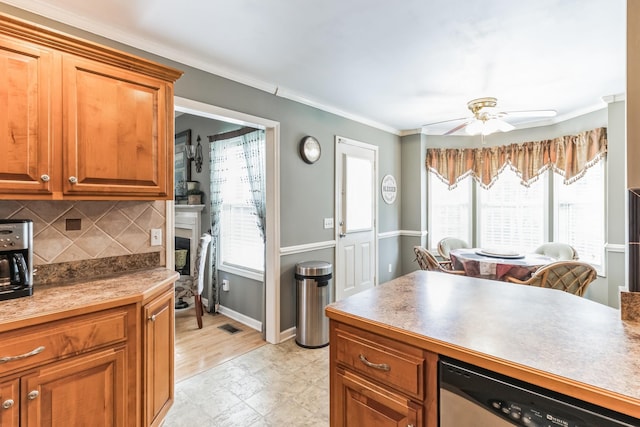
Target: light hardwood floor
(197, 350)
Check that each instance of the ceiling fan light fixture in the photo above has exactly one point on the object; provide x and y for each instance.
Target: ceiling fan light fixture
(487, 127)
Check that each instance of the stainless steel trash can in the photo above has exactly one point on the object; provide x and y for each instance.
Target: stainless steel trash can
(313, 287)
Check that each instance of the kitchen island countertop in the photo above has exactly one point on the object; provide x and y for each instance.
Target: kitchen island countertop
(546, 337)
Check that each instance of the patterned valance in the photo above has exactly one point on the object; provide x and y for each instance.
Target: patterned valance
(569, 156)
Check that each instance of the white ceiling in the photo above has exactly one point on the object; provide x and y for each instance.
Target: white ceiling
(393, 64)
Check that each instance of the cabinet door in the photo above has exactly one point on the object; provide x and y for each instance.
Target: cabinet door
(26, 122)
(362, 403)
(116, 131)
(87, 390)
(10, 403)
(158, 358)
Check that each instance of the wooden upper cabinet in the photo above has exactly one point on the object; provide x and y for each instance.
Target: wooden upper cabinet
(116, 131)
(26, 114)
(82, 121)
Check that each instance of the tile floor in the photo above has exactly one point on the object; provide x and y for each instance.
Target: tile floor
(274, 385)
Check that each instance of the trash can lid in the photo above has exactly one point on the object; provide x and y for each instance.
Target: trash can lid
(314, 268)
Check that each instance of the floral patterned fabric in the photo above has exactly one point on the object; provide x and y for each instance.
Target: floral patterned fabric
(569, 156)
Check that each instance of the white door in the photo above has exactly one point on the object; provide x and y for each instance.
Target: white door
(356, 215)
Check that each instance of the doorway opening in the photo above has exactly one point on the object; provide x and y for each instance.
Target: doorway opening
(270, 322)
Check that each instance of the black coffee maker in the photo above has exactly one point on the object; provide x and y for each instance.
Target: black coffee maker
(16, 258)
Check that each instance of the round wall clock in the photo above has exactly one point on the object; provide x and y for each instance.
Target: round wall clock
(310, 149)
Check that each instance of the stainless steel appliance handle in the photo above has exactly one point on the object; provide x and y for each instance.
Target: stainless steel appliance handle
(380, 366)
(33, 352)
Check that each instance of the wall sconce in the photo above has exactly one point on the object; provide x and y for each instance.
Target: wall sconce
(198, 156)
(190, 152)
(194, 153)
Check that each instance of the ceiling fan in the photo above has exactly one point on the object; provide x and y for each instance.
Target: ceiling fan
(487, 119)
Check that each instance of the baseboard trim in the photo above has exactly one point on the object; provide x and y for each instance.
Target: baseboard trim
(239, 317)
(288, 334)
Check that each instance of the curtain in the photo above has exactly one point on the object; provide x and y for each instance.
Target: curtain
(216, 167)
(253, 145)
(252, 142)
(569, 156)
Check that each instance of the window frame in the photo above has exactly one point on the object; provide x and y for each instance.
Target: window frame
(229, 267)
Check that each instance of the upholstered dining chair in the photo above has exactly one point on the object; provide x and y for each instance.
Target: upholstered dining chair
(193, 285)
(568, 276)
(557, 250)
(426, 261)
(445, 245)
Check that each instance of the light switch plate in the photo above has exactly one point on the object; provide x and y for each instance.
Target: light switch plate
(156, 237)
(328, 223)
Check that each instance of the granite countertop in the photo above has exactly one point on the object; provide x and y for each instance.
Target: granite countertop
(547, 334)
(50, 302)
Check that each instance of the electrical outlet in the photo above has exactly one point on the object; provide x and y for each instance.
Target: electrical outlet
(225, 285)
(328, 223)
(156, 237)
(389, 268)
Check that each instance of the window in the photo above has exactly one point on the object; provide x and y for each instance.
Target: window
(580, 216)
(512, 216)
(241, 246)
(449, 210)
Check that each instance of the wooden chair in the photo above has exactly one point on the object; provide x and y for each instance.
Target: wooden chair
(426, 261)
(557, 250)
(194, 285)
(568, 276)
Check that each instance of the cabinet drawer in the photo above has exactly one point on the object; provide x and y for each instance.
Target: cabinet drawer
(36, 345)
(392, 363)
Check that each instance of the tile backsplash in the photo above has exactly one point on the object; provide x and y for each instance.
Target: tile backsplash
(107, 228)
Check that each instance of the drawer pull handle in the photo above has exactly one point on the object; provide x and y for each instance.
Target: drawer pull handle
(380, 366)
(7, 403)
(33, 394)
(22, 356)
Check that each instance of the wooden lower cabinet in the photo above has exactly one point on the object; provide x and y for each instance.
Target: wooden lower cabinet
(10, 401)
(363, 403)
(103, 368)
(158, 358)
(378, 381)
(85, 391)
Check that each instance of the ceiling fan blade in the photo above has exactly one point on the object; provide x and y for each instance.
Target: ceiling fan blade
(457, 128)
(445, 121)
(532, 113)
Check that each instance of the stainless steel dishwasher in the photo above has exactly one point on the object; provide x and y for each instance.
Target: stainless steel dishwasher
(474, 397)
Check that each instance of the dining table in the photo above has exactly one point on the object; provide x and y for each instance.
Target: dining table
(497, 264)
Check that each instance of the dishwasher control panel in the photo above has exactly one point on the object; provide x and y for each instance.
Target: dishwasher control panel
(487, 399)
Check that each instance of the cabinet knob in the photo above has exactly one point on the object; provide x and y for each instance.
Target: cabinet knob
(45, 178)
(33, 394)
(7, 403)
(73, 179)
(152, 318)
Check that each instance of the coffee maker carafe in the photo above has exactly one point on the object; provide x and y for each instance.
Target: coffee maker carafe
(16, 258)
